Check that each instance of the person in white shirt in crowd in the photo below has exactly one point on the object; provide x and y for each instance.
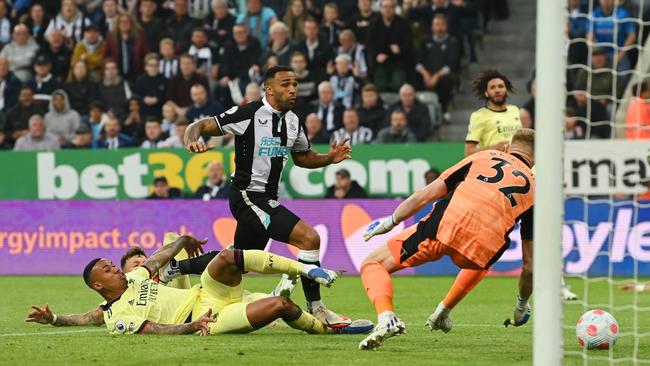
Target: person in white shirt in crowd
(20, 53)
(154, 136)
(216, 185)
(351, 129)
(38, 139)
(177, 139)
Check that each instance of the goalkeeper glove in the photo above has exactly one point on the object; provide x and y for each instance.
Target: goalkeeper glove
(380, 227)
(521, 315)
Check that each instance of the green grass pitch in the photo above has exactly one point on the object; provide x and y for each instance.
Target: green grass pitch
(478, 337)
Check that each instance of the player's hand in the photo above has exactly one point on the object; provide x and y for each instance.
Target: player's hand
(40, 315)
(521, 315)
(339, 151)
(193, 246)
(198, 146)
(202, 324)
(379, 227)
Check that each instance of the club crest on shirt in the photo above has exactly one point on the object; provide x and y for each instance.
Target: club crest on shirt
(120, 326)
(293, 127)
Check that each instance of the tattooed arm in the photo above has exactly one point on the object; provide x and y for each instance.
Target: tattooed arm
(45, 316)
(200, 325)
(169, 251)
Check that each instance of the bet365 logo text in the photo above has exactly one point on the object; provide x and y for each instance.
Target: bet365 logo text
(128, 177)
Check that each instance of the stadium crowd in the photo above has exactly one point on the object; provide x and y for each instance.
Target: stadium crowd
(131, 73)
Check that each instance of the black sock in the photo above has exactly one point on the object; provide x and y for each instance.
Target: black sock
(309, 286)
(196, 265)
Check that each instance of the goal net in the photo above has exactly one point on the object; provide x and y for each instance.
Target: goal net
(605, 230)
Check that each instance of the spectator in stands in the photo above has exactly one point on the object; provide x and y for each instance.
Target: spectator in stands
(330, 113)
(595, 112)
(355, 51)
(438, 62)
(44, 83)
(295, 18)
(253, 93)
(181, 25)
(332, 25)
(83, 138)
(527, 111)
(168, 60)
(318, 51)
(306, 90)
(219, 23)
(258, 19)
(36, 21)
(178, 88)
(360, 21)
(240, 59)
(58, 53)
(372, 113)
(637, 120)
(417, 113)
(71, 21)
(151, 87)
(161, 189)
(61, 120)
(20, 53)
(314, 129)
(205, 56)
(577, 30)
(38, 139)
(389, 48)
(18, 116)
(91, 50)
(80, 88)
(5, 24)
(170, 118)
(346, 85)
(133, 124)
(153, 28)
(216, 185)
(176, 140)
(111, 137)
(126, 44)
(573, 129)
(600, 76)
(431, 175)
(154, 136)
(279, 45)
(344, 187)
(398, 131)
(352, 130)
(202, 107)
(114, 92)
(110, 11)
(199, 9)
(600, 29)
(96, 120)
(9, 85)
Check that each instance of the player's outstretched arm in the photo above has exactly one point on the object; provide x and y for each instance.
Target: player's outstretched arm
(45, 316)
(200, 325)
(338, 152)
(165, 254)
(202, 127)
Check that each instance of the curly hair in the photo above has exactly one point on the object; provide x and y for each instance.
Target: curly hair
(480, 83)
(135, 251)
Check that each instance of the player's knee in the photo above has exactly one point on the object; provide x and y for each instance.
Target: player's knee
(283, 306)
(311, 240)
(226, 258)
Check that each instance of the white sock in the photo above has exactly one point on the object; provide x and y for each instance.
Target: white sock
(311, 305)
(309, 256)
(385, 316)
(441, 309)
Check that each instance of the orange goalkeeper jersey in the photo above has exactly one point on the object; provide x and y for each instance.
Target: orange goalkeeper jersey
(488, 192)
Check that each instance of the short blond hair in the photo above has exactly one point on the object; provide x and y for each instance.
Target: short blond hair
(524, 138)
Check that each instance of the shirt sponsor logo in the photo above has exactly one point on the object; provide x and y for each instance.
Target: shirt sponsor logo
(271, 147)
(262, 122)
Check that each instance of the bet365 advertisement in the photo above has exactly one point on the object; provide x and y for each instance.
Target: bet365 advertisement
(60, 237)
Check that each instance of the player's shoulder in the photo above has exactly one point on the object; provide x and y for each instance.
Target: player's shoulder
(513, 109)
(248, 109)
(479, 115)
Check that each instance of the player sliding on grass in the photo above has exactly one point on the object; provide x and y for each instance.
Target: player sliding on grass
(481, 200)
(136, 304)
(174, 274)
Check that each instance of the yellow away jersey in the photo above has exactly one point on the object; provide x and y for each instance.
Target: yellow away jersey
(487, 127)
(145, 300)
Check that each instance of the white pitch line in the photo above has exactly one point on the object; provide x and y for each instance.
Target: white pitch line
(55, 332)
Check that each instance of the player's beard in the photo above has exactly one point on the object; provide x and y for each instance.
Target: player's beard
(500, 101)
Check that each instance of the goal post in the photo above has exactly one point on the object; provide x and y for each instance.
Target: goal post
(549, 206)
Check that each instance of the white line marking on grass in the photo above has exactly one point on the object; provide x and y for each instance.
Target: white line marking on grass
(55, 332)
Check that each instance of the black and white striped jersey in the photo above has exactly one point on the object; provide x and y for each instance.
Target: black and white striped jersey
(264, 138)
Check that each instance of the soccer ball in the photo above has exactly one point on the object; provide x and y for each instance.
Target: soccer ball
(597, 329)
